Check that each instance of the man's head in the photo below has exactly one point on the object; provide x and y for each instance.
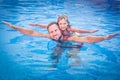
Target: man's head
(54, 31)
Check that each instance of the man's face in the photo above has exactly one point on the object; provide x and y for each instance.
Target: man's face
(54, 32)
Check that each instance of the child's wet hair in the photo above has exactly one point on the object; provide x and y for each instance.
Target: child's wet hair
(63, 16)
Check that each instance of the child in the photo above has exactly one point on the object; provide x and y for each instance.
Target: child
(65, 27)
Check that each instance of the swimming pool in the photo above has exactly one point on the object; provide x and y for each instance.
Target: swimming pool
(24, 57)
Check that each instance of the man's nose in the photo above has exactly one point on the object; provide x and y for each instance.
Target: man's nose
(62, 25)
(54, 32)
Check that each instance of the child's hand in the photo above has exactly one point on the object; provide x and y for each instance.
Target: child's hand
(32, 24)
(92, 31)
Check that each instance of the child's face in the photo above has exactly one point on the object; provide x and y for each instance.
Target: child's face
(63, 24)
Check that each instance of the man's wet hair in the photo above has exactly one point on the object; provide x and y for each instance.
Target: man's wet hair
(51, 25)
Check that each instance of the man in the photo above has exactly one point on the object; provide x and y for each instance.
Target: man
(55, 34)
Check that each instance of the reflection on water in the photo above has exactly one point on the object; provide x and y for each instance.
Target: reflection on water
(26, 58)
(72, 54)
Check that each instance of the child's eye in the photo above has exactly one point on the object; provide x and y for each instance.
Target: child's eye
(60, 24)
(56, 30)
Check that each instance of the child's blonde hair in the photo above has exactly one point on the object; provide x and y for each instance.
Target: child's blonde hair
(63, 16)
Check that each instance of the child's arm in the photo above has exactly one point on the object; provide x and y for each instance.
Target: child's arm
(82, 31)
(40, 25)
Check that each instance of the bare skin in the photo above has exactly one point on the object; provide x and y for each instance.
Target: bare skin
(40, 25)
(54, 33)
(92, 39)
(71, 29)
(27, 31)
(65, 26)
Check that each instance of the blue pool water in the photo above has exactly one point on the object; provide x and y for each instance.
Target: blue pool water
(25, 57)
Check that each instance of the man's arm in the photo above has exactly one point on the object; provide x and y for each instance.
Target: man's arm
(92, 39)
(27, 31)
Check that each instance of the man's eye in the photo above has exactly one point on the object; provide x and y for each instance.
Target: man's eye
(51, 32)
(56, 30)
